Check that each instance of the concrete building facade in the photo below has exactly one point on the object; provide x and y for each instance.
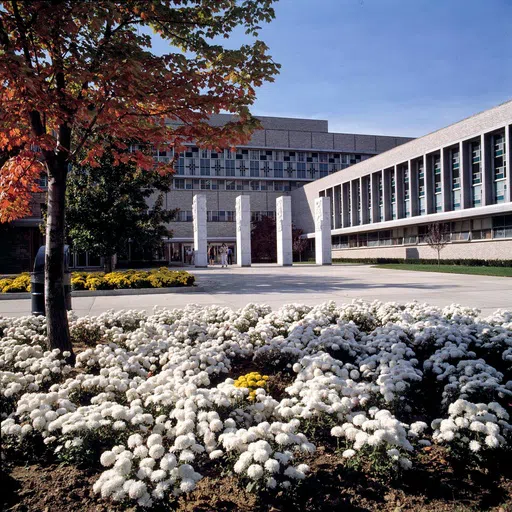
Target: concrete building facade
(283, 156)
(459, 176)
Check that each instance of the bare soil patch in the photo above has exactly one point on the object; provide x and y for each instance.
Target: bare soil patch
(432, 486)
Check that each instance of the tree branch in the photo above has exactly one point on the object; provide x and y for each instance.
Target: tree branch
(22, 31)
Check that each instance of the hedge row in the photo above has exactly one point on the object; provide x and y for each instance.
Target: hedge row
(158, 278)
(464, 262)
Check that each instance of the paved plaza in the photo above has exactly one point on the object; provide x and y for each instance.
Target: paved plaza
(307, 284)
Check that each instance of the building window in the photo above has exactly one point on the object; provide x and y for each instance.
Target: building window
(255, 169)
(499, 167)
(180, 166)
(217, 167)
(502, 226)
(205, 167)
(230, 167)
(422, 203)
(455, 175)
(392, 187)
(437, 183)
(191, 166)
(477, 195)
(476, 174)
(278, 169)
(184, 216)
(42, 181)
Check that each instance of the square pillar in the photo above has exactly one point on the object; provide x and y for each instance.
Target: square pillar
(446, 179)
(386, 194)
(323, 250)
(374, 183)
(399, 192)
(284, 231)
(413, 188)
(354, 203)
(363, 187)
(337, 207)
(429, 184)
(345, 190)
(200, 236)
(465, 175)
(243, 231)
(508, 162)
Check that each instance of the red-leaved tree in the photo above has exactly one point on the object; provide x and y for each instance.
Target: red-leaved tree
(71, 71)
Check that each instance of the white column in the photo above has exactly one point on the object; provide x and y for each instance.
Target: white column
(386, 195)
(323, 250)
(243, 231)
(284, 231)
(200, 236)
(508, 162)
(374, 180)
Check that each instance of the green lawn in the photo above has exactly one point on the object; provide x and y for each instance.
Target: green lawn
(450, 269)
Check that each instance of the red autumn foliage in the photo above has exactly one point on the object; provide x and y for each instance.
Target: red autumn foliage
(80, 70)
(73, 73)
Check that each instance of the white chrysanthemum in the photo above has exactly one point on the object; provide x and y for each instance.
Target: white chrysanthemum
(347, 454)
(154, 439)
(255, 471)
(137, 490)
(474, 446)
(107, 458)
(156, 451)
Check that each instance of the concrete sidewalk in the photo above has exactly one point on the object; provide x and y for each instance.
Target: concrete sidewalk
(307, 284)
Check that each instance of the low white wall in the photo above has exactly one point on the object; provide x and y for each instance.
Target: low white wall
(486, 250)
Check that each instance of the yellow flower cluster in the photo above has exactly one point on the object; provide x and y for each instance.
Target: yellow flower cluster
(16, 284)
(252, 381)
(157, 278)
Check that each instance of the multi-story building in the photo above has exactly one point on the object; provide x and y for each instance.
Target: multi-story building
(459, 176)
(284, 156)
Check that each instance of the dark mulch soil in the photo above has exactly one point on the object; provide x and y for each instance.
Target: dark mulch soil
(432, 486)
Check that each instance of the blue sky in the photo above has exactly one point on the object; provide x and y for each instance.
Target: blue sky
(391, 67)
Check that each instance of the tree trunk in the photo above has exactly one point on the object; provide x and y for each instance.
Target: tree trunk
(438, 257)
(107, 264)
(55, 301)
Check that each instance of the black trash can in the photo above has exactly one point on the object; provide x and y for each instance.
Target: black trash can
(37, 282)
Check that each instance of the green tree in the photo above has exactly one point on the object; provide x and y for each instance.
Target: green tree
(107, 207)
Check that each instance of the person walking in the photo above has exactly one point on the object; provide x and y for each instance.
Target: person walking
(223, 255)
(230, 256)
(211, 255)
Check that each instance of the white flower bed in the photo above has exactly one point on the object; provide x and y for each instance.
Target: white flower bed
(156, 400)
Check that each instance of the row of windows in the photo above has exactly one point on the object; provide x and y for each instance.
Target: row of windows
(453, 182)
(222, 215)
(270, 155)
(298, 170)
(460, 231)
(239, 185)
